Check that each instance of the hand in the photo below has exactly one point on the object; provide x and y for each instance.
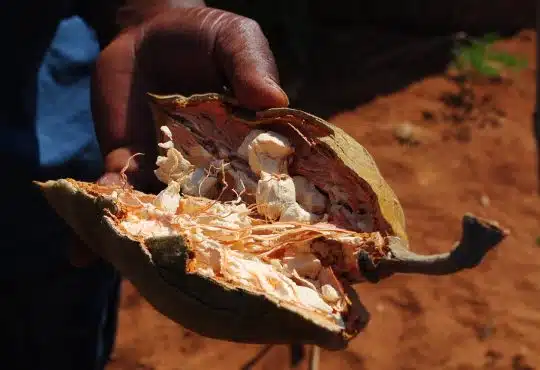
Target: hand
(186, 51)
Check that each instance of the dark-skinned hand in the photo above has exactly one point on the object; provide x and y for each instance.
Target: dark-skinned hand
(185, 51)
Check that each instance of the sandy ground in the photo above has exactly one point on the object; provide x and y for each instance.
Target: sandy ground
(487, 318)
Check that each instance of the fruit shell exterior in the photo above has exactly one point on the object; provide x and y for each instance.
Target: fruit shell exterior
(157, 268)
(172, 110)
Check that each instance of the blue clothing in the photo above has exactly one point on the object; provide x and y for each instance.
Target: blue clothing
(57, 316)
(47, 132)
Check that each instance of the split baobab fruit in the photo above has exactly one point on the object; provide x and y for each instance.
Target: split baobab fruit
(265, 221)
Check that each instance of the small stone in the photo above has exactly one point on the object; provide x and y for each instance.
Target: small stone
(485, 201)
(405, 133)
(428, 116)
(483, 332)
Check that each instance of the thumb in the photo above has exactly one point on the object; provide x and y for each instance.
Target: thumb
(110, 179)
(249, 65)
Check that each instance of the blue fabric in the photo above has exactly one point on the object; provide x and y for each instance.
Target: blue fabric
(64, 125)
(55, 316)
(51, 138)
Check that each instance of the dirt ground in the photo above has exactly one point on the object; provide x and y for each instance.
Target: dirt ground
(486, 318)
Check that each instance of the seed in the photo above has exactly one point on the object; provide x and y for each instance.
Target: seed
(329, 293)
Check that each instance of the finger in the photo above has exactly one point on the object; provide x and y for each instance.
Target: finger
(249, 65)
(110, 179)
(121, 113)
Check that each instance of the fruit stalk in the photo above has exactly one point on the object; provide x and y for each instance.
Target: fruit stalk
(478, 237)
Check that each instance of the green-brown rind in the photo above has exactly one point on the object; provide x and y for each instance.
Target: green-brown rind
(157, 268)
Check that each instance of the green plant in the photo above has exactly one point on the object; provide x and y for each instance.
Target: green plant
(476, 60)
(477, 56)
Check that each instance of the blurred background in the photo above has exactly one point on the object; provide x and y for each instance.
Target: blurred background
(442, 94)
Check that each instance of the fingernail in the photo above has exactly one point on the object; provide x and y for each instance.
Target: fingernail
(276, 86)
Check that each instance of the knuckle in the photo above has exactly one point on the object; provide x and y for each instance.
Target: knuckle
(246, 26)
(239, 35)
(250, 24)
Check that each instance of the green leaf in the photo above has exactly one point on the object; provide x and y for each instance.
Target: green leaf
(479, 45)
(478, 61)
(489, 71)
(506, 59)
(491, 37)
(503, 58)
(475, 54)
(538, 241)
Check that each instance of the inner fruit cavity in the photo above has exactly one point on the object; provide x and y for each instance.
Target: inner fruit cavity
(286, 245)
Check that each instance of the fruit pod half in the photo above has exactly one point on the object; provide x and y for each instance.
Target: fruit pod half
(265, 221)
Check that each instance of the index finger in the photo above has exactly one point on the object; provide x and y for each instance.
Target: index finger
(249, 65)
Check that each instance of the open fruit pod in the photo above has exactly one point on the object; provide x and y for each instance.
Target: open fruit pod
(265, 221)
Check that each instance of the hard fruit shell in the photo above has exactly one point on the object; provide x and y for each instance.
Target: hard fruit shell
(157, 267)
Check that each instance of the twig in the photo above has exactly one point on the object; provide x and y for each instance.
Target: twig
(314, 358)
(258, 357)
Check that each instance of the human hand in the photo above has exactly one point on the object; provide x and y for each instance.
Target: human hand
(187, 50)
